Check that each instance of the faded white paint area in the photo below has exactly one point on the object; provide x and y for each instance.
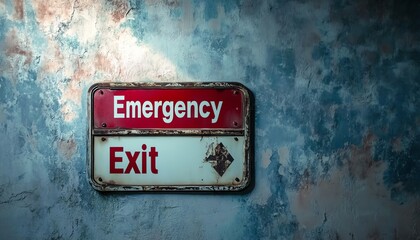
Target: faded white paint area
(284, 157)
(266, 155)
(112, 52)
(262, 192)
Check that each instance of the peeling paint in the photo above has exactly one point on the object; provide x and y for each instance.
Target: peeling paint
(284, 156)
(14, 47)
(121, 10)
(67, 147)
(266, 158)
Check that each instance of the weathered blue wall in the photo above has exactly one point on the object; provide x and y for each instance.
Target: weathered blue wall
(337, 125)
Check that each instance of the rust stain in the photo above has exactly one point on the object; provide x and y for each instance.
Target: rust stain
(386, 49)
(43, 11)
(397, 145)
(48, 12)
(19, 9)
(304, 190)
(102, 62)
(121, 9)
(16, 50)
(67, 148)
(13, 48)
(359, 159)
(326, 192)
(341, 198)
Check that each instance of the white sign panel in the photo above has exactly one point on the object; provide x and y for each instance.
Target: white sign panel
(157, 160)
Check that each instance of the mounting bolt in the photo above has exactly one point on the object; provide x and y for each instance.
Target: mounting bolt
(103, 139)
(235, 123)
(101, 92)
(235, 92)
(103, 124)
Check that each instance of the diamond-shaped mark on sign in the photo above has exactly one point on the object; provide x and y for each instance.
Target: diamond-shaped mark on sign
(219, 158)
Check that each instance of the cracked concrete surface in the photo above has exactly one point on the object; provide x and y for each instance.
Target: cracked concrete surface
(336, 115)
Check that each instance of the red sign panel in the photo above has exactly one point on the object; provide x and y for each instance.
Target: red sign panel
(157, 108)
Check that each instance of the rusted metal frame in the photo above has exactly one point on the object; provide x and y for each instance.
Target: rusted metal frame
(172, 85)
(247, 133)
(157, 132)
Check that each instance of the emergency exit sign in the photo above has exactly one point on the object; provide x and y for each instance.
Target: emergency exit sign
(169, 136)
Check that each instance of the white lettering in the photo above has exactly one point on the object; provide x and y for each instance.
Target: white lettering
(202, 113)
(191, 104)
(169, 109)
(118, 106)
(157, 105)
(147, 109)
(169, 115)
(216, 111)
(180, 109)
(133, 105)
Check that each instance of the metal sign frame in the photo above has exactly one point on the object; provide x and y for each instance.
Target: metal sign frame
(246, 131)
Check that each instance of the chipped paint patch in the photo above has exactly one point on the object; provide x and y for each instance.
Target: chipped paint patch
(53, 60)
(68, 112)
(261, 193)
(83, 25)
(15, 47)
(67, 147)
(284, 156)
(18, 9)
(359, 159)
(121, 8)
(52, 13)
(266, 155)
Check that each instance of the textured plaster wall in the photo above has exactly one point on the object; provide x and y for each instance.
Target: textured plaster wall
(337, 123)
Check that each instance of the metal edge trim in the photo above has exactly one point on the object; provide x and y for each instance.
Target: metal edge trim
(247, 132)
